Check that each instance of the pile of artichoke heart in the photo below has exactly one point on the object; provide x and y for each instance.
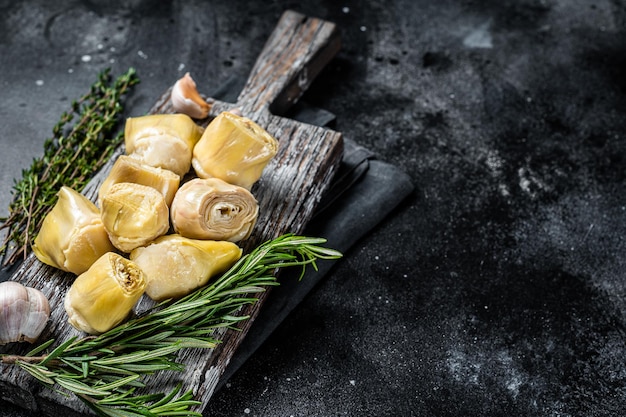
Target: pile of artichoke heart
(168, 216)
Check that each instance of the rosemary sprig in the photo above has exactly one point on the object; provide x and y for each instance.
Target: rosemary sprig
(73, 154)
(105, 371)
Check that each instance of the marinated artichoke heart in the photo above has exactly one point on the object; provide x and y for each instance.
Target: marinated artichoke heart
(24, 312)
(209, 208)
(175, 265)
(133, 215)
(235, 149)
(104, 295)
(72, 235)
(127, 169)
(162, 140)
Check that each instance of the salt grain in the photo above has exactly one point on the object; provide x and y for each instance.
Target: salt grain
(85, 58)
(39, 82)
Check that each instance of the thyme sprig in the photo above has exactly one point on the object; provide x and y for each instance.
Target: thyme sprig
(82, 141)
(105, 371)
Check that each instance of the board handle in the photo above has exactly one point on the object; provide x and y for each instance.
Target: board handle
(294, 54)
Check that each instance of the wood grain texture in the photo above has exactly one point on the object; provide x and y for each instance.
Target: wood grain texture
(288, 192)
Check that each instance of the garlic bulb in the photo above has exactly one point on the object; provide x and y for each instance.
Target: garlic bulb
(214, 209)
(187, 100)
(235, 149)
(24, 312)
(175, 265)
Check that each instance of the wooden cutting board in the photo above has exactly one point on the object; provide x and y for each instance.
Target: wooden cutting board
(288, 192)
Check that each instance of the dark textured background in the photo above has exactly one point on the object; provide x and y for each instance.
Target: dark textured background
(498, 287)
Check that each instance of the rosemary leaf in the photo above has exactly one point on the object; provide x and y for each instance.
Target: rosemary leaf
(40, 348)
(81, 367)
(58, 351)
(139, 356)
(111, 370)
(151, 368)
(78, 387)
(106, 411)
(167, 398)
(119, 383)
(38, 372)
(191, 342)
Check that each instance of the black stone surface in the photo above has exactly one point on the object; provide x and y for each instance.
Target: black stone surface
(498, 287)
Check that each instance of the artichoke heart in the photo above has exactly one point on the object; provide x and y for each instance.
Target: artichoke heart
(127, 169)
(209, 208)
(72, 235)
(162, 140)
(175, 265)
(133, 215)
(104, 295)
(234, 149)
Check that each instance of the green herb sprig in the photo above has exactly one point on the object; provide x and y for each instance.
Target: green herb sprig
(83, 140)
(105, 371)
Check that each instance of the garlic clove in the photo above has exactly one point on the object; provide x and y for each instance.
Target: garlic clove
(39, 312)
(14, 309)
(24, 312)
(187, 100)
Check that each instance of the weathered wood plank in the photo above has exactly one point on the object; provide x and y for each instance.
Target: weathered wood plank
(288, 192)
